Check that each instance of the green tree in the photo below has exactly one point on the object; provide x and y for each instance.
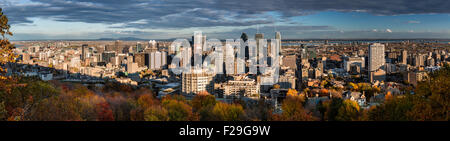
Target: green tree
(178, 110)
(7, 55)
(394, 109)
(436, 91)
(203, 101)
(322, 108)
(23, 99)
(348, 111)
(333, 109)
(431, 101)
(156, 113)
(228, 112)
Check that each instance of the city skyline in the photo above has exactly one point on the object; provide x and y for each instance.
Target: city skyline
(80, 19)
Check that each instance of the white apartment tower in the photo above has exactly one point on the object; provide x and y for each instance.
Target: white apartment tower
(376, 62)
(197, 80)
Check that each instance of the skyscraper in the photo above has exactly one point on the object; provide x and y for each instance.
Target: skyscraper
(278, 38)
(258, 36)
(140, 59)
(83, 52)
(376, 62)
(404, 57)
(139, 47)
(118, 46)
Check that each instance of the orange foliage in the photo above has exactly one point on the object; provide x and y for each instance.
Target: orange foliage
(104, 112)
(323, 91)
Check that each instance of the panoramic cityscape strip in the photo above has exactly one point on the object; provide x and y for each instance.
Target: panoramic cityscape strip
(297, 60)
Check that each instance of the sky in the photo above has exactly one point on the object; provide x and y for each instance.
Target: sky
(227, 19)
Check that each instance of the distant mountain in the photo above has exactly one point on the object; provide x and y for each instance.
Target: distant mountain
(123, 38)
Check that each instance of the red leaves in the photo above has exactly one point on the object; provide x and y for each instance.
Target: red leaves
(104, 112)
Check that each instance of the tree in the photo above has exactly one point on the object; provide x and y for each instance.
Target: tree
(88, 102)
(3, 112)
(258, 111)
(228, 112)
(353, 86)
(178, 110)
(324, 83)
(6, 48)
(293, 109)
(146, 100)
(436, 91)
(104, 112)
(120, 106)
(292, 92)
(203, 100)
(322, 108)
(156, 113)
(394, 109)
(56, 108)
(6, 56)
(431, 101)
(348, 111)
(23, 99)
(276, 86)
(324, 91)
(140, 105)
(333, 109)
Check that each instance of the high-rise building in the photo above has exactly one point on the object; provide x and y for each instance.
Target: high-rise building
(278, 37)
(156, 60)
(376, 56)
(419, 60)
(118, 46)
(376, 62)
(163, 59)
(83, 51)
(106, 56)
(258, 37)
(197, 80)
(230, 63)
(404, 57)
(139, 47)
(198, 40)
(139, 58)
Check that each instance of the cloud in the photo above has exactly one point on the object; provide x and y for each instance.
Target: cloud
(413, 22)
(308, 33)
(203, 13)
(389, 30)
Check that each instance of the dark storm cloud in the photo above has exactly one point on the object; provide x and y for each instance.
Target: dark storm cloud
(204, 13)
